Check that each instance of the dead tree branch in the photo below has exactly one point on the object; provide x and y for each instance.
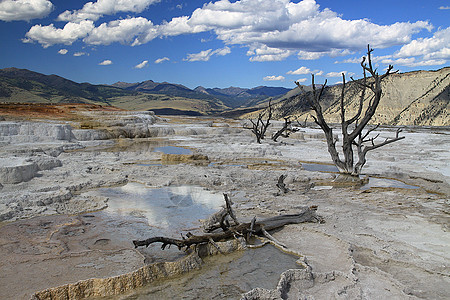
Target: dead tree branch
(220, 218)
(281, 185)
(243, 229)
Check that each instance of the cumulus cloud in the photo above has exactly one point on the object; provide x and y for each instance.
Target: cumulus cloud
(302, 80)
(273, 78)
(432, 51)
(436, 47)
(287, 26)
(336, 74)
(24, 10)
(264, 53)
(63, 51)
(106, 62)
(50, 35)
(207, 54)
(77, 54)
(161, 60)
(274, 31)
(444, 7)
(300, 71)
(125, 31)
(141, 65)
(181, 25)
(95, 10)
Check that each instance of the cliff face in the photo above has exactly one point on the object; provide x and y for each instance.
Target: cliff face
(414, 98)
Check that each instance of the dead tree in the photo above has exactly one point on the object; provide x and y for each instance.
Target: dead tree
(354, 138)
(259, 127)
(245, 230)
(284, 131)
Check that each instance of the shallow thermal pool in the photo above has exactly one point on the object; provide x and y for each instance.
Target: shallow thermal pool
(169, 209)
(136, 211)
(374, 182)
(387, 183)
(223, 276)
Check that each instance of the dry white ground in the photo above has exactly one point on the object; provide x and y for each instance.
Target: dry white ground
(385, 242)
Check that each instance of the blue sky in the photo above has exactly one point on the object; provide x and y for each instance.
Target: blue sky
(224, 43)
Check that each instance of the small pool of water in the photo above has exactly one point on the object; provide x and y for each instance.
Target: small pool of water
(387, 183)
(313, 167)
(173, 150)
(168, 208)
(137, 212)
(223, 276)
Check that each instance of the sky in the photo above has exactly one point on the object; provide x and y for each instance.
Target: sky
(244, 43)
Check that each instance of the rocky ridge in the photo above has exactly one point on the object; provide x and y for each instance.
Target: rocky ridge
(419, 98)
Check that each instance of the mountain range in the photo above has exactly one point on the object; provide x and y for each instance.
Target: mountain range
(413, 98)
(232, 97)
(22, 85)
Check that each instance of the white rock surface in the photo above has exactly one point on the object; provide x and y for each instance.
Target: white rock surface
(372, 239)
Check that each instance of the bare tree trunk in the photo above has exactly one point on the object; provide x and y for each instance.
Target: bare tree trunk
(349, 141)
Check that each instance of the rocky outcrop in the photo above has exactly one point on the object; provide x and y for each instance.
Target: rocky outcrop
(29, 132)
(17, 170)
(415, 98)
(20, 169)
(104, 287)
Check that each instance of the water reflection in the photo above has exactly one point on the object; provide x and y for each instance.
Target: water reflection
(313, 167)
(176, 208)
(172, 150)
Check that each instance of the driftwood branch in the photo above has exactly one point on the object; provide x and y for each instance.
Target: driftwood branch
(244, 229)
(220, 218)
(281, 185)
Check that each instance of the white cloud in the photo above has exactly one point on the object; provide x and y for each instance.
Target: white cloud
(260, 52)
(207, 54)
(444, 7)
(288, 26)
(95, 10)
(309, 55)
(436, 47)
(125, 31)
(49, 35)
(432, 51)
(201, 56)
(180, 25)
(302, 80)
(222, 51)
(24, 10)
(106, 62)
(161, 60)
(272, 29)
(79, 54)
(300, 71)
(273, 78)
(63, 51)
(413, 62)
(336, 74)
(141, 65)
(354, 60)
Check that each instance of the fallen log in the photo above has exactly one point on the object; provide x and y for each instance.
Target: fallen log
(259, 228)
